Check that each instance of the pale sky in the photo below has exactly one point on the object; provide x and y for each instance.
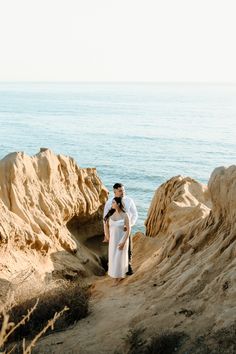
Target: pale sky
(118, 40)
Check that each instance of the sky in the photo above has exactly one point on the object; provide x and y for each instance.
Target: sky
(118, 40)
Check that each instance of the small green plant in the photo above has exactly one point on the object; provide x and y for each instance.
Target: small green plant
(162, 343)
(135, 340)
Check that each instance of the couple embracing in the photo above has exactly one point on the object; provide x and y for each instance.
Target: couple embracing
(120, 214)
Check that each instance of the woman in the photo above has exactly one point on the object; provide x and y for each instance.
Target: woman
(117, 230)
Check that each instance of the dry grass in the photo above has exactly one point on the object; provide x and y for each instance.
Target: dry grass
(8, 328)
(34, 317)
(50, 324)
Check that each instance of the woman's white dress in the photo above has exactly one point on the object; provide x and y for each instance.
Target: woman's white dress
(118, 260)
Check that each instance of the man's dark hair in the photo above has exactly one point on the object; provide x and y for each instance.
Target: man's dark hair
(117, 185)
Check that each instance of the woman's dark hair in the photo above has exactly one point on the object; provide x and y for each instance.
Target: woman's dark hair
(111, 211)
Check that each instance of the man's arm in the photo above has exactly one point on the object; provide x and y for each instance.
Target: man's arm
(133, 213)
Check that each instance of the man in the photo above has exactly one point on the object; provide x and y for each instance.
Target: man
(119, 191)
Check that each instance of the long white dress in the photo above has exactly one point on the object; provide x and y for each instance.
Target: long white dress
(118, 260)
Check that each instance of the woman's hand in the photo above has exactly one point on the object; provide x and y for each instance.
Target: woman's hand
(121, 246)
(106, 239)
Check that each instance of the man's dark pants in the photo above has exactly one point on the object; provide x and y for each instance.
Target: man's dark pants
(130, 270)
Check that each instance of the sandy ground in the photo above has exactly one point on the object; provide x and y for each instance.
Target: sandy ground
(111, 312)
(116, 310)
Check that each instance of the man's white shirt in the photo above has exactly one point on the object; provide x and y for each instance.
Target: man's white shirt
(130, 209)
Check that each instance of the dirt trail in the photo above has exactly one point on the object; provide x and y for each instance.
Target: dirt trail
(112, 309)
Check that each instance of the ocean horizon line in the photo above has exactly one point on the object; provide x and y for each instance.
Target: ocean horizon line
(118, 82)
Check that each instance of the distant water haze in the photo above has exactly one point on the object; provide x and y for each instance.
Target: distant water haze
(139, 134)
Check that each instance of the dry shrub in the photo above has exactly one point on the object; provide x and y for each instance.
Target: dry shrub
(69, 295)
(226, 339)
(135, 341)
(7, 328)
(222, 341)
(165, 343)
(161, 343)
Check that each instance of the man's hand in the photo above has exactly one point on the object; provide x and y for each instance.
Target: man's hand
(121, 246)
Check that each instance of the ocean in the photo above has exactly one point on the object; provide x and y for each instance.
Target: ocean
(140, 134)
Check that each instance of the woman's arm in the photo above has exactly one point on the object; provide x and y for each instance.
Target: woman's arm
(127, 233)
(106, 231)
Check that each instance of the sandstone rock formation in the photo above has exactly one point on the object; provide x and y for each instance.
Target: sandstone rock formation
(194, 254)
(44, 200)
(176, 204)
(184, 280)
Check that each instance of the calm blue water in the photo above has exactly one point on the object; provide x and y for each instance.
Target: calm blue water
(139, 134)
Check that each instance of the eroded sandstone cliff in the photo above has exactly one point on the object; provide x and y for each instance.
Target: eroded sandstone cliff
(192, 234)
(44, 201)
(184, 278)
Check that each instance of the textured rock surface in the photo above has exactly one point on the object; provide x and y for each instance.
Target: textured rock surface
(39, 197)
(195, 230)
(184, 280)
(176, 204)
